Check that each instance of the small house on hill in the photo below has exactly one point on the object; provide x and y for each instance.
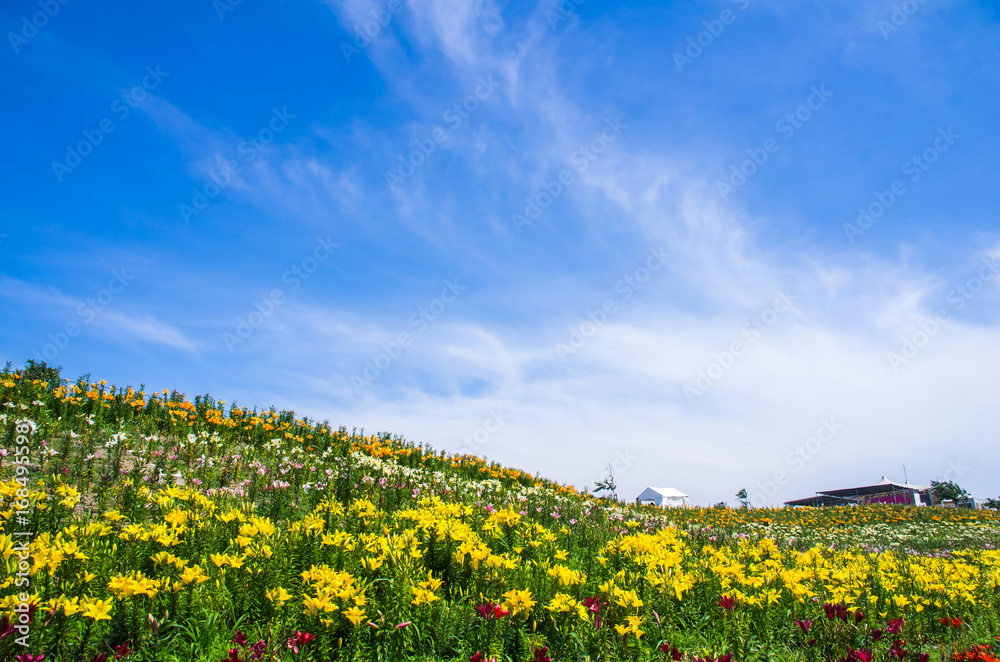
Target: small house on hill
(665, 497)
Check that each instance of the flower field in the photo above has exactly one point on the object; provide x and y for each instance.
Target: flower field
(146, 526)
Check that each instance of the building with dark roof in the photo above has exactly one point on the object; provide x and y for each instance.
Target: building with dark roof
(884, 491)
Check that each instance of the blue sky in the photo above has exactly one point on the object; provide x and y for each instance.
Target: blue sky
(716, 245)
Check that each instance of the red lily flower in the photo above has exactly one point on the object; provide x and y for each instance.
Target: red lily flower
(895, 626)
(805, 625)
(837, 610)
(103, 657)
(499, 612)
(240, 639)
(540, 655)
(28, 657)
(234, 655)
(672, 652)
(594, 605)
(864, 655)
(977, 653)
(122, 650)
(953, 622)
(728, 603)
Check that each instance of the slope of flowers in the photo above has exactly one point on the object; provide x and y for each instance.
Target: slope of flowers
(161, 528)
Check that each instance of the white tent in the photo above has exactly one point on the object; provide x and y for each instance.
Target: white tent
(663, 497)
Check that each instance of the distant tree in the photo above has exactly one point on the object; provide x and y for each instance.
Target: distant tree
(607, 485)
(721, 505)
(992, 503)
(43, 372)
(744, 499)
(948, 491)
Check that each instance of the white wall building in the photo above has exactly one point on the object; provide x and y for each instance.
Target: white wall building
(665, 497)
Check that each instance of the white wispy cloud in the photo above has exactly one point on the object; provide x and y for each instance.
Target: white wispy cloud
(96, 312)
(149, 329)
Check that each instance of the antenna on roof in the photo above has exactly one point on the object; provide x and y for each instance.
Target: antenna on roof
(905, 479)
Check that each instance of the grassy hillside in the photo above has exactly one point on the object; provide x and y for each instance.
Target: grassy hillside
(148, 526)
